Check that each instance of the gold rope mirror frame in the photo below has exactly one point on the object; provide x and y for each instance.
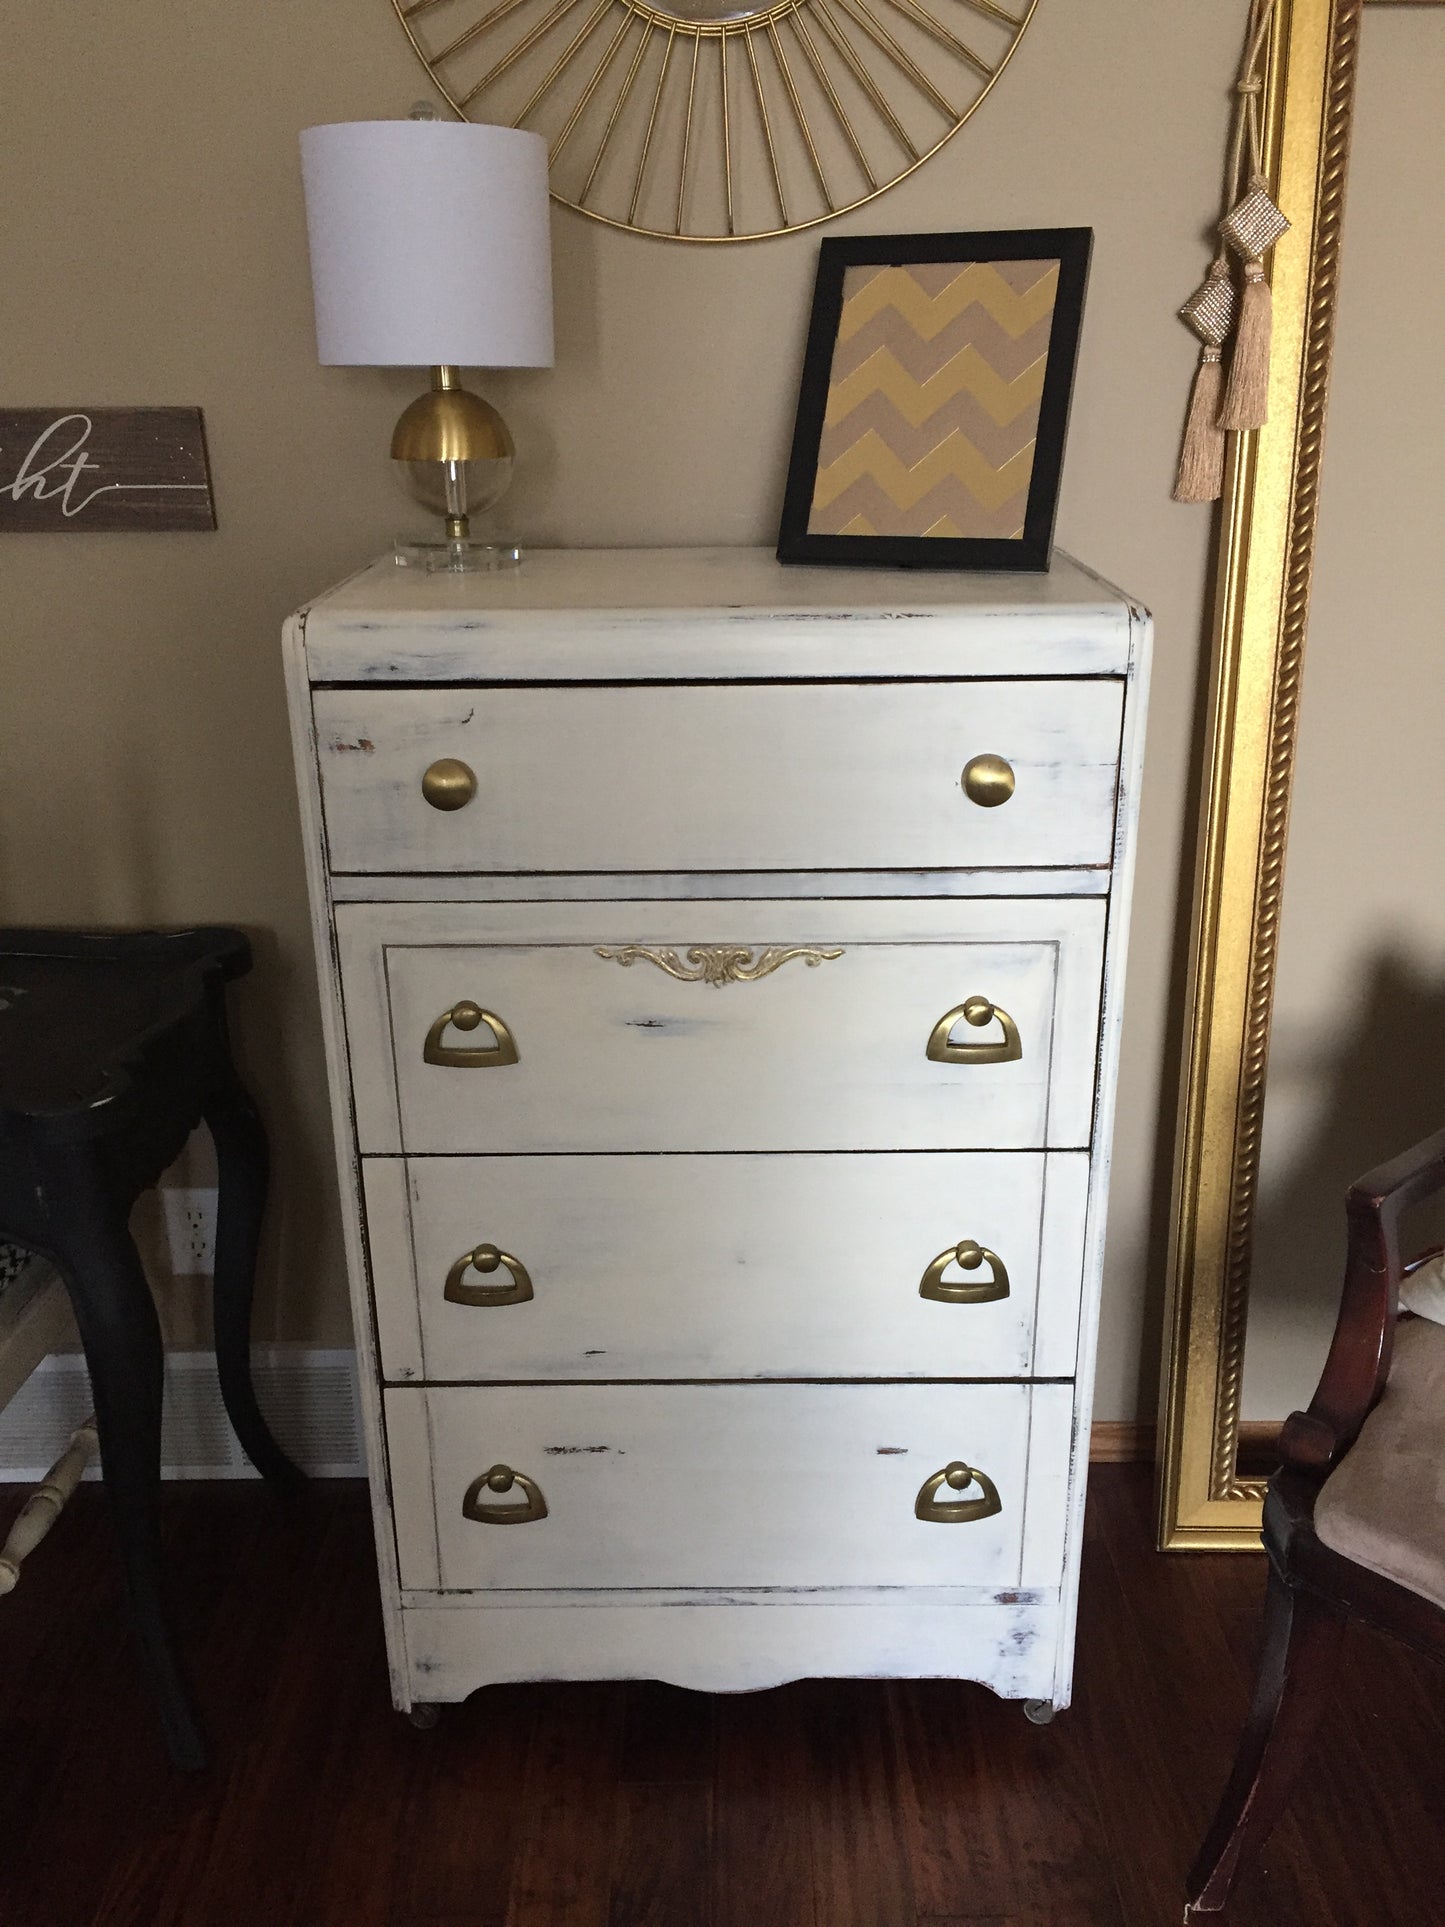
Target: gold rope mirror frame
(1261, 606)
(719, 120)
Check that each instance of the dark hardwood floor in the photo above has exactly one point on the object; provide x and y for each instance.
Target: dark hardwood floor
(822, 1804)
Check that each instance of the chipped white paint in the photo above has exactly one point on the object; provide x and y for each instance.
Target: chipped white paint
(826, 1059)
(728, 1267)
(702, 778)
(723, 1647)
(670, 886)
(735, 1188)
(650, 615)
(718, 1486)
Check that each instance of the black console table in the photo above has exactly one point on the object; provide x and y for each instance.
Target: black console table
(113, 1048)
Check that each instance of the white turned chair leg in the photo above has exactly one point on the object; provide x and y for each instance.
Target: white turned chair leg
(46, 1503)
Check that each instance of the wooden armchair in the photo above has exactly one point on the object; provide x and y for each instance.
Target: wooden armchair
(1354, 1520)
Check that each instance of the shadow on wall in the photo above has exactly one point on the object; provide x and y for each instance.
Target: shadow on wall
(1383, 1092)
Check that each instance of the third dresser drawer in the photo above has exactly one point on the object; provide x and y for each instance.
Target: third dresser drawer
(718, 777)
(929, 1265)
(724, 1026)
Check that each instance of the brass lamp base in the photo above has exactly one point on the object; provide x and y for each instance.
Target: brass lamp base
(457, 454)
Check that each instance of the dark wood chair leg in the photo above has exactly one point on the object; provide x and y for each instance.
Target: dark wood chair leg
(243, 1176)
(121, 1334)
(1301, 1644)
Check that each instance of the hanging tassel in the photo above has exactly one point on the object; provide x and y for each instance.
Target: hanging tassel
(1252, 224)
(1201, 459)
(1246, 398)
(1209, 311)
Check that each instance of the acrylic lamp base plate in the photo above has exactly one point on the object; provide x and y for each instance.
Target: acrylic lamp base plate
(455, 558)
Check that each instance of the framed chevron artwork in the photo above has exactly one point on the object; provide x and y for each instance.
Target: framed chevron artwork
(935, 400)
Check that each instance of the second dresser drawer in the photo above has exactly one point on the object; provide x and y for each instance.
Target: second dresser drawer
(842, 1266)
(724, 1027)
(723, 777)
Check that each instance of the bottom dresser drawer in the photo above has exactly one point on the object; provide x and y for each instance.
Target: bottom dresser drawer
(729, 1486)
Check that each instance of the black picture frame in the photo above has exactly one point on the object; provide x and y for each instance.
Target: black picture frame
(1071, 247)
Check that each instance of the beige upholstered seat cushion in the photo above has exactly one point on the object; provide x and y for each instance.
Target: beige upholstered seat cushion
(1384, 1504)
(1424, 1290)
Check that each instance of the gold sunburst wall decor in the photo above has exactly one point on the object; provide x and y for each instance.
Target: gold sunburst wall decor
(710, 121)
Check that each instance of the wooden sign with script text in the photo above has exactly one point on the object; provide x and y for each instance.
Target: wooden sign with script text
(78, 469)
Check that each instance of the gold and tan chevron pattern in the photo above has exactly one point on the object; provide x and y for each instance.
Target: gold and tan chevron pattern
(933, 399)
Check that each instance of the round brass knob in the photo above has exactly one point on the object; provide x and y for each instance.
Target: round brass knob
(976, 1011)
(958, 1476)
(988, 781)
(449, 784)
(467, 1015)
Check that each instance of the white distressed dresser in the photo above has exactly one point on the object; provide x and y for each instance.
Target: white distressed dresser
(721, 969)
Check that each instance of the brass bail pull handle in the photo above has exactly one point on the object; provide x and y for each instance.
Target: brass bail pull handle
(958, 1477)
(976, 1011)
(467, 1016)
(968, 1256)
(486, 1259)
(501, 1478)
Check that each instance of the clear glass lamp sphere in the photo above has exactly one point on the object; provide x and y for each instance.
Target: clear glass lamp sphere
(453, 453)
(458, 488)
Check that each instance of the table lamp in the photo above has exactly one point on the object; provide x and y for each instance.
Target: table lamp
(430, 247)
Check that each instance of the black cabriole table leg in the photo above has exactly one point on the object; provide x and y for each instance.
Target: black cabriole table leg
(243, 1172)
(93, 1249)
(113, 1048)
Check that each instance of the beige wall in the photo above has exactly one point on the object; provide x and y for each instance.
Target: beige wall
(1357, 1070)
(154, 252)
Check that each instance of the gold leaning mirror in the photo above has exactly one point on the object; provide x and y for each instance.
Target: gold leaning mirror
(1263, 569)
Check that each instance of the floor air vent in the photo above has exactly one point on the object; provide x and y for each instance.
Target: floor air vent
(308, 1396)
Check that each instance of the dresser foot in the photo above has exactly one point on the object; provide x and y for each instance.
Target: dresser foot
(424, 1714)
(1039, 1712)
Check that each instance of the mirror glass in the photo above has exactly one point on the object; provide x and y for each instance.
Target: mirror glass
(1357, 1058)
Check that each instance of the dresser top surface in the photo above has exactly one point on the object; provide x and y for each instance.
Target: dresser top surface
(630, 613)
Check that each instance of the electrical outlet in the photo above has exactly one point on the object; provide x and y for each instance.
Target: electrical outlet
(190, 1218)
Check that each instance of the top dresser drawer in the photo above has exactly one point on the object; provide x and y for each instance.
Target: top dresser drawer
(723, 776)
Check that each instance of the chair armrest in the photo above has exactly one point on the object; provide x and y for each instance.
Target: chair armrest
(1359, 1358)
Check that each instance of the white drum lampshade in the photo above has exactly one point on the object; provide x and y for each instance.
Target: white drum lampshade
(431, 247)
(430, 244)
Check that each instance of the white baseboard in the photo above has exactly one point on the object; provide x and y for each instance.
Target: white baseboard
(308, 1395)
